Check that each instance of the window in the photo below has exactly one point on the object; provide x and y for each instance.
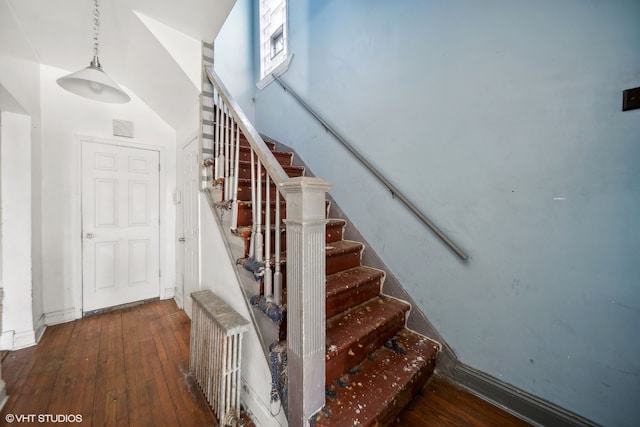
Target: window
(274, 46)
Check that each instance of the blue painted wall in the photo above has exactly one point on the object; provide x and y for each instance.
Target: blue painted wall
(502, 121)
(233, 55)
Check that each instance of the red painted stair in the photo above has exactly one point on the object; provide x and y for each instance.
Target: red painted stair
(375, 365)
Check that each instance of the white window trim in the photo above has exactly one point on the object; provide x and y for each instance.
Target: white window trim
(278, 71)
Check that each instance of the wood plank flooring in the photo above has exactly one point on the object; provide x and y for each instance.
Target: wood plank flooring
(443, 404)
(130, 368)
(122, 368)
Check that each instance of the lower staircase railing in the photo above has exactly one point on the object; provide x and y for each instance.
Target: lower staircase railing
(261, 194)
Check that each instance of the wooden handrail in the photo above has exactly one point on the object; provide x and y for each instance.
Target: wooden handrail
(275, 170)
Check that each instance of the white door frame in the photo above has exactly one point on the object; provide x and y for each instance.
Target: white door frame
(77, 240)
(180, 200)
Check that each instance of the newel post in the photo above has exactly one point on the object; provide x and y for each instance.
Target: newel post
(306, 324)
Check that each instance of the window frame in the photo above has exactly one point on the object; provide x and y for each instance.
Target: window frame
(273, 60)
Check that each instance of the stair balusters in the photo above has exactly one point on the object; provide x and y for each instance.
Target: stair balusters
(277, 275)
(305, 207)
(235, 176)
(227, 164)
(218, 138)
(258, 218)
(254, 208)
(268, 280)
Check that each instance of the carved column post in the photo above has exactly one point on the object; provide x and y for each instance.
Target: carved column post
(306, 327)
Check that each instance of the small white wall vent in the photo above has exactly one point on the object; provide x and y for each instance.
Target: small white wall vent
(122, 128)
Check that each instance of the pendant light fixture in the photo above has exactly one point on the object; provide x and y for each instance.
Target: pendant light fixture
(92, 82)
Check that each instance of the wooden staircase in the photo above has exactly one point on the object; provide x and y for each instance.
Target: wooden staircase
(374, 364)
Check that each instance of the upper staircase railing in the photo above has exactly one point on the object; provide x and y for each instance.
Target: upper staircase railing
(393, 189)
(239, 150)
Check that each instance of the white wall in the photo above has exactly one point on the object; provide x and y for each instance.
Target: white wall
(20, 84)
(66, 118)
(17, 322)
(218, 272)
(502, 121)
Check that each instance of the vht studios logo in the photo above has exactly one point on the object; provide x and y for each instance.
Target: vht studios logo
(43, 418)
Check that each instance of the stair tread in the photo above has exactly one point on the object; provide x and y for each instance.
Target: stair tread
(346, 329)
(352, 278)
(247, 203)
(244, 148)
(363, 396)
(342, 246)
(247, 163)
(331, 222)
(344, 280)
(332, 249)
(244, 142)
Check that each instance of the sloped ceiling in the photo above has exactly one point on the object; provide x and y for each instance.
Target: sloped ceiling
(61, 34)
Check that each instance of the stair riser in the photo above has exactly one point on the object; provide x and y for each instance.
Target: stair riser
(343, 301)
(244, 192)
(348, 358)
(406, 395)
(244, 171)
(333, 233)
(244, 213)
(245, 145)
(343, 261)
(243, 139)
(283, 158)
(333, 265)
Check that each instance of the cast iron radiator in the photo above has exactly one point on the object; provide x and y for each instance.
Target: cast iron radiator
(216, 354)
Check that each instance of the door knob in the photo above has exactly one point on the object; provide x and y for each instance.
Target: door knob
(90, 235)
(181, 239)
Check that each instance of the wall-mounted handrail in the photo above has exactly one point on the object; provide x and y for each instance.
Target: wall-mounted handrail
(394, 190)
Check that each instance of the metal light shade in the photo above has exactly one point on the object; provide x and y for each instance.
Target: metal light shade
(93, 83)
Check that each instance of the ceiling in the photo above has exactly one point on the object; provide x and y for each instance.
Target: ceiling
(61, 34)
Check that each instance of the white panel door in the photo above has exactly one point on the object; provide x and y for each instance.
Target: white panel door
(190, 184)
(120, 225)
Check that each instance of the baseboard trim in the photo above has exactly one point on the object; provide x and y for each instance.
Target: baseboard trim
(40, 328)
(23, 340)
(169, 293)
(179, 300)
(532, 409)
(60, 316)
(261, 415)
(118, 307)
(3, 394)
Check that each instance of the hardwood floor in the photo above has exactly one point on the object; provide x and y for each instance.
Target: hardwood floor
(130, 368)
(443, 404)
(123, 368)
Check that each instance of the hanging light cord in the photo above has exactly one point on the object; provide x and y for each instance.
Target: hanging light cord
(96, 35)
